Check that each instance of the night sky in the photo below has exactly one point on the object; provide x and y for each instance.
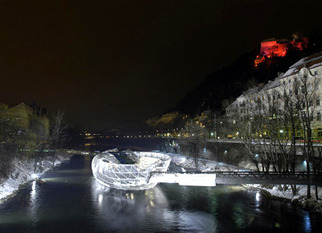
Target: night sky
(114, 64)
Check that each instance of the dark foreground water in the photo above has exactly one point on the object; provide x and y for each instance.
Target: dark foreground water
(71, 201)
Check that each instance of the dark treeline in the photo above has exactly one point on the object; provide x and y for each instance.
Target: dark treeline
(27, 132)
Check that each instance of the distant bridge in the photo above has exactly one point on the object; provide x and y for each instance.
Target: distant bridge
(237, 178)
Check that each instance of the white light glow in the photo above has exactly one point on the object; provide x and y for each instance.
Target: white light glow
(257, 197)
(109, 172)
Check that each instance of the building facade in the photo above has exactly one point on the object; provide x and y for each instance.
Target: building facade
(297, 92)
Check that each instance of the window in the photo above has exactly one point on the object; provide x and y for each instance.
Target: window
(317, 102)
(310, 103)
(318, 116)
(303, 89)
(320, 132)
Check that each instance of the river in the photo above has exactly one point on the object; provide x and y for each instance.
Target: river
(72, 201)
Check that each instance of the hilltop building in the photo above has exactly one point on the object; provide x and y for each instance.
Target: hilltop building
(23, 118)
(279, 48)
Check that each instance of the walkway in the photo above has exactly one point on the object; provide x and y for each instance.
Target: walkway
(236, 178)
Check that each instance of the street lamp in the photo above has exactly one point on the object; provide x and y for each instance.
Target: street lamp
(215, 125)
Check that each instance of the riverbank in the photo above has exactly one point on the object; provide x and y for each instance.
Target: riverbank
(25, 171)
(285, 194)
(276, 192)
(201, 164)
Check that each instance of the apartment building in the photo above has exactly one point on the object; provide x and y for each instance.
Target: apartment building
(301, 85)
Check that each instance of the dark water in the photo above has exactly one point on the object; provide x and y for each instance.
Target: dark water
(71, 201)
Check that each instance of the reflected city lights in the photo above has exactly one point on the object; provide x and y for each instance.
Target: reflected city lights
(34, 176)
(33, 204)
(257, 196)
(307, 222)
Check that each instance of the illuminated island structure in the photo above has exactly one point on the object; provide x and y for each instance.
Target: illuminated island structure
(144, 171)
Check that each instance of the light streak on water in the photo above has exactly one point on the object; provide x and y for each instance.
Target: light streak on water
(307, 223)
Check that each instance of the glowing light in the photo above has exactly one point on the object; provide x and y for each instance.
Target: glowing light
(34, 176)
(151, 203)
(257, 197)
(108, 172)
(100, 199)
(307, 222)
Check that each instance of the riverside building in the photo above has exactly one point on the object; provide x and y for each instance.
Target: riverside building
(298, 91)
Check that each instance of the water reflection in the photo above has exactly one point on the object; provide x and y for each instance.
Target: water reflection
(307, 222)
(241, 217)
(72, 201)
(33, 203)
(257, 199)
(133, 211)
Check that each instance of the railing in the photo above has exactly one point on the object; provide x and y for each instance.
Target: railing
(246, 177)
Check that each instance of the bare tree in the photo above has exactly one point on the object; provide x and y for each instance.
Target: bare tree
(58, 127)
(9, 144)
(306, 94)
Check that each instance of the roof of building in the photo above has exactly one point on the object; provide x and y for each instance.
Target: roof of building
(233, 105)
(311, 62)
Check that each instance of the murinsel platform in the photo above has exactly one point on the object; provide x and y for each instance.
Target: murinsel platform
(148, 169)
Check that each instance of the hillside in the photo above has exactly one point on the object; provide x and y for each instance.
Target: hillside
(218, 89)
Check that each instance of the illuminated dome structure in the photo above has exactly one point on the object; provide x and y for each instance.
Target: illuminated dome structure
(110, 170)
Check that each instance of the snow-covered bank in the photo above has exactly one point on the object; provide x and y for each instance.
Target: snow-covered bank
(204, 165)
(24, 171)
(285, 194)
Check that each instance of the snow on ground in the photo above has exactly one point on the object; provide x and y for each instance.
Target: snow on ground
(300, 198)
(204, 165)
(25, 171)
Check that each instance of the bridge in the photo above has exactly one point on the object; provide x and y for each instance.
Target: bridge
(243, 177)
(236, 178)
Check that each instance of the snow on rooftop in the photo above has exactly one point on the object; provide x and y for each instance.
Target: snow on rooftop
(312, 61)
